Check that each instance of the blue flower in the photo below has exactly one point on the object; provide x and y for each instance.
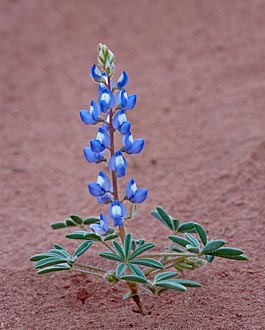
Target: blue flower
(132, 146)
(117, 212)
(118, 164)
(100, 187)
(122, 81)
(120, 122)
(95, 74)
(91, 116)
(101, 142)
(133, 194)
(102, 228)
(124, 101)
(93, 157)
(106, 100)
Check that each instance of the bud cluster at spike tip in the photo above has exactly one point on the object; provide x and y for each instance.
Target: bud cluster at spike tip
(110, 111)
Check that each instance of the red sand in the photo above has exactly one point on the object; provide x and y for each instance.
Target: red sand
(198, 70)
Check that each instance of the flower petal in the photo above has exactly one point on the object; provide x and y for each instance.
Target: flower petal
(122, 81)
(95, 189)
(140, 196)
(93, 157)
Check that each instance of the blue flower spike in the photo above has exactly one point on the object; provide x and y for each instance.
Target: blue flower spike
(106, 100)
(117, 212)
(101, 142)
(132, 146)
(94, 157)
(101, 187)
(118, 164)
(121, 123)
(133, 194)
(102, 228)
(91, 117)
(122, 81)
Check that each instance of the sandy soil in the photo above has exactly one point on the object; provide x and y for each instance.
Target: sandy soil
(197, 68)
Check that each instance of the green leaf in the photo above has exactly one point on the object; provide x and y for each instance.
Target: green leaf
(141, 249)
(166, 217)
(212, 246)
(201, 232)
(175, 223)
(136, 270)
(58, 225)
(171, 284)
(192, 248)
(82, 248)
(119, 249)
(189, 283)
(127, 295)
(133, 278)
(111, 256)
(127, 245)
(186, 226)
(179, 240)
(40, 256)
(70, 223)
(165, 276)
(177, 249)
(58, 246)
(78, 220)
(192, 240)
(156, 215)
(120, 269)
(109, 237)
(49, 261)
(210, 258)
(62, 253)
(83, 235)
(242, 257)
(90, 220)
(228, 251)
(148, 262)
(54, 268)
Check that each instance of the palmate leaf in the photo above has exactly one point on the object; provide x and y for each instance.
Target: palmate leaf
(165, 217)
(148, 262)
(230, 253)
(58, 246)
(156, 215)
(82, 248)
(54, 268)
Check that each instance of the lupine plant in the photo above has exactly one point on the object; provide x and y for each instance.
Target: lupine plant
(132, 260)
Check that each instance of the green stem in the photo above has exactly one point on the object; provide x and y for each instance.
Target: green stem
(79, 264)
(109, 247)
(88, 272)
(176, 254)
